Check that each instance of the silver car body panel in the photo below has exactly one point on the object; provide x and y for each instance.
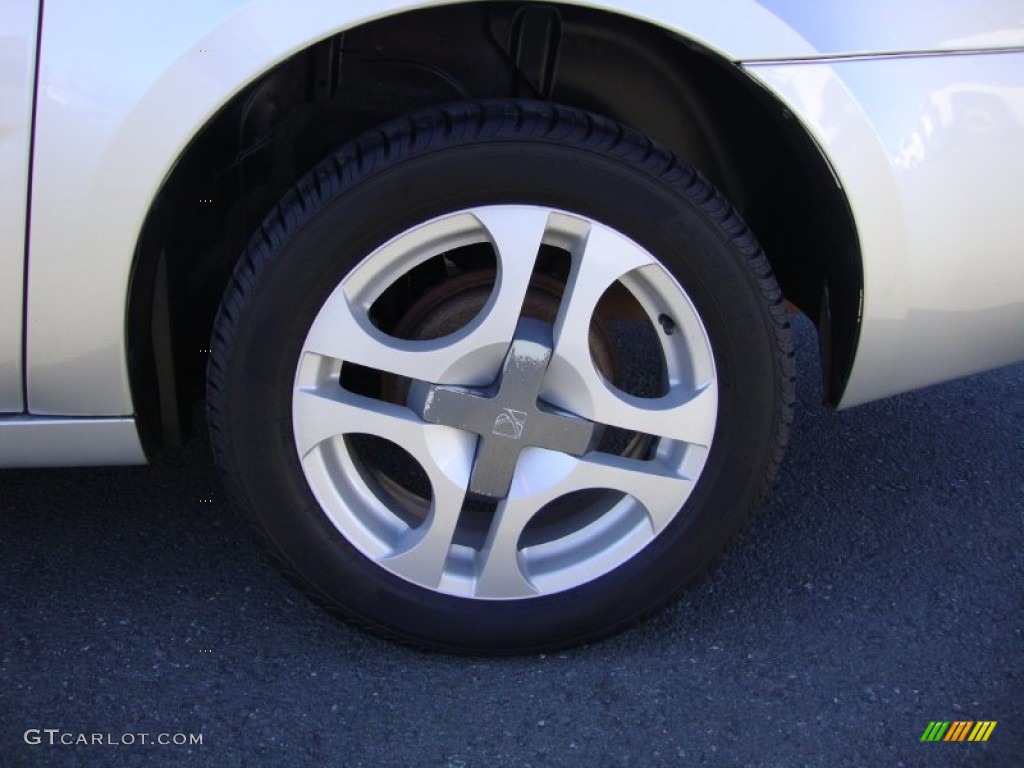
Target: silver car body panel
(943, 275)
(874, 27)
(37, 441)
(19, 21)
(123, 87)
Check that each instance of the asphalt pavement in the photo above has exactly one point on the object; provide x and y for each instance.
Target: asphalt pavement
(879, 591)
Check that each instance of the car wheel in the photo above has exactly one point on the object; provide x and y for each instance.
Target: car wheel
(500, 377)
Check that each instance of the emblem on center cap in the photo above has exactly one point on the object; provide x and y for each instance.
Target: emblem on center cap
(509, 424)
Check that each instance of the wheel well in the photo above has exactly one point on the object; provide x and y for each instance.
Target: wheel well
(705, 109)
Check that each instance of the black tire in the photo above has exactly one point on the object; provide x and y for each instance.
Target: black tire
(428, 165)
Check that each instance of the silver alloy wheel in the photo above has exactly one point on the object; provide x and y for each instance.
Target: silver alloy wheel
(614, 503)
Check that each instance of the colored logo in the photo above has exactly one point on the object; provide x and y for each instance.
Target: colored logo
(509, 424)
(958, 730)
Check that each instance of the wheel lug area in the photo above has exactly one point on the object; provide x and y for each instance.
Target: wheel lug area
(507, 416)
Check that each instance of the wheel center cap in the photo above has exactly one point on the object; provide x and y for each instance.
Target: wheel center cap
(508, 416)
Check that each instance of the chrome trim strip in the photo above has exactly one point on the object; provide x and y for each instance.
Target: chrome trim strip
(830, 58)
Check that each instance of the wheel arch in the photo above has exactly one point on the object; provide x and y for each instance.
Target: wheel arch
(694, 100)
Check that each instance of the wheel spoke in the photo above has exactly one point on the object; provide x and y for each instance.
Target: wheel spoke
(682, 414)
(516, 233)
(319, 415)
(574, 383)
(421, 555)
(470, 356)
(604, 257)
(500, 575)
(445, 454)
(659, 489)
